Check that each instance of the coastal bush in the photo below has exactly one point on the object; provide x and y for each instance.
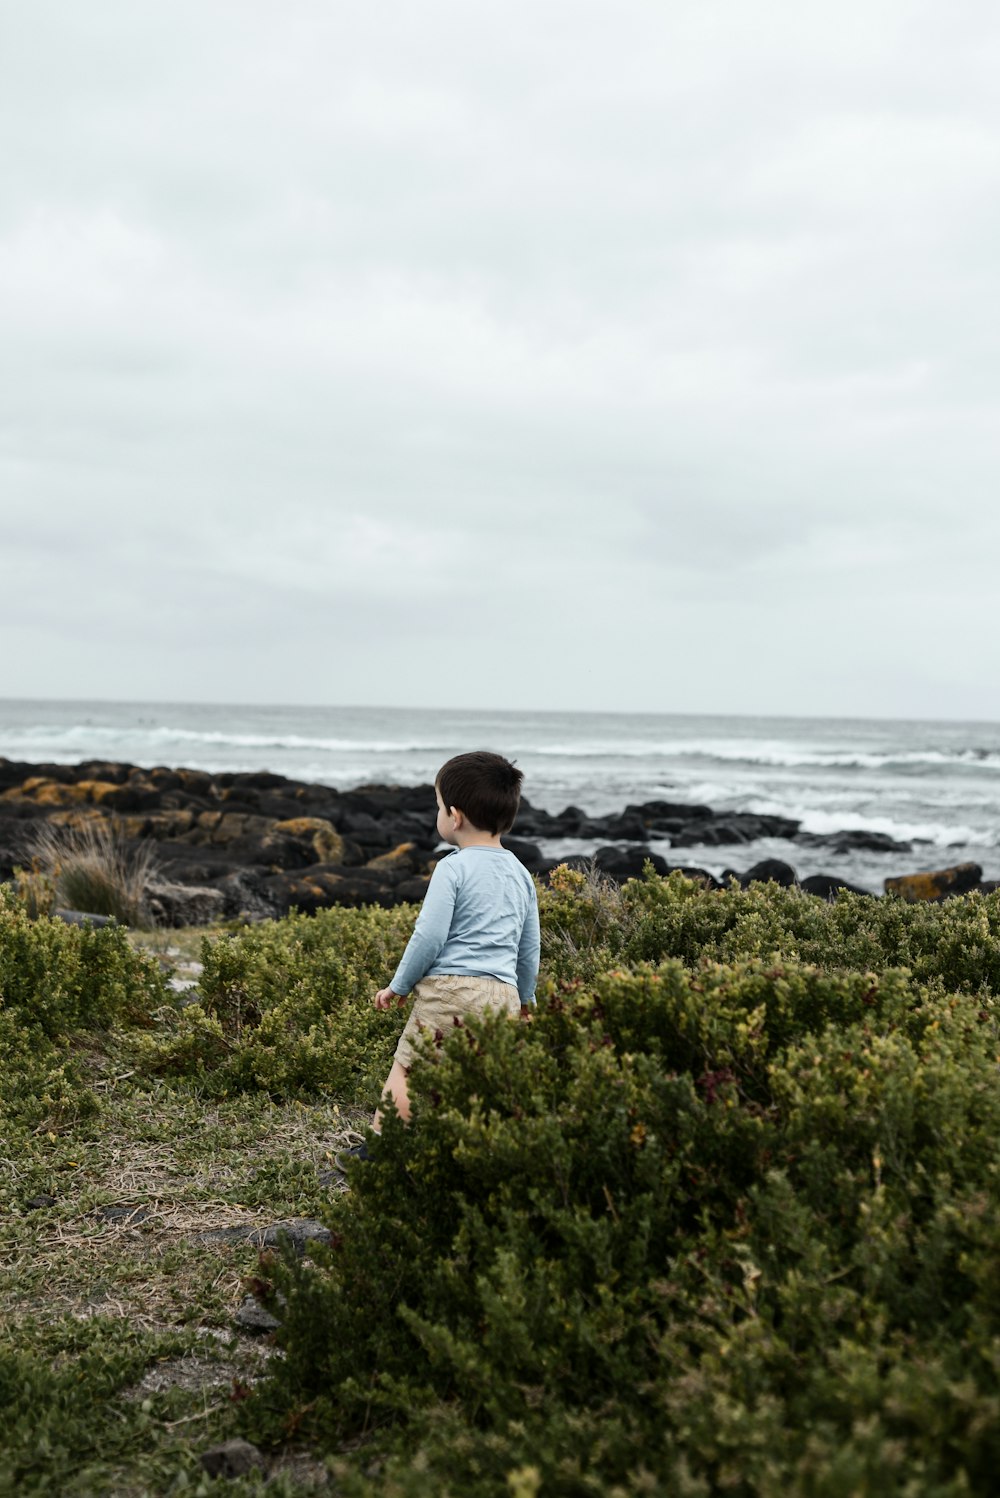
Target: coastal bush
(34, 889)
(69, 1425)
(285, 1006)
(731, 1228)
(586, 923)
(61, 978)
(58, 982)
(723, 1217)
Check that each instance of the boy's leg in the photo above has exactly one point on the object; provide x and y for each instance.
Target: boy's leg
(396, 1087)
(439, 1003)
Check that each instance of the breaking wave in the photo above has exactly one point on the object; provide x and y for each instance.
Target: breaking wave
(775, 756)
(934, 785)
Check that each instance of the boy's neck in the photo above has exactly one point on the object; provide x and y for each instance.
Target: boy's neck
(473, 838)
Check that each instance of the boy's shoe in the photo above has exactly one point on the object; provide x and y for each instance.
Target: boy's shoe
(343, 1158)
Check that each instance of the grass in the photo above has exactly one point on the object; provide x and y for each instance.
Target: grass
(91, 868)
(178, 950)
(184, 1169)
(123, 1265)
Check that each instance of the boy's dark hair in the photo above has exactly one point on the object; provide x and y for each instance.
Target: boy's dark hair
(485, 786)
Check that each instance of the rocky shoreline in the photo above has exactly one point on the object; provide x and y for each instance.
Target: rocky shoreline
(253, 846)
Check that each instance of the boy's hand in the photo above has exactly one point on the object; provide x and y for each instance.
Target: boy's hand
(383, 999)
(527, 1011)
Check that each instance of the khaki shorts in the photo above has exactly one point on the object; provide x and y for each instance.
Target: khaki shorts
(439, 1001)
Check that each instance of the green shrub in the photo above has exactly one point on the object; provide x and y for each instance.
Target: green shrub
(586, 921)
(67, 1427)
(57, 981)
(188, 1043)
(34, 889)
(285, 1006)
(649, 919)
(725, 1229)
(722, 1218)
(40, 1083)
(62, 978)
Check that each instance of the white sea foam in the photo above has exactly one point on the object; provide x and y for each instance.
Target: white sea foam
(774, 755)
(109, 736)
(732, 750)
(812, 819)
(933, 758)
(936, 781)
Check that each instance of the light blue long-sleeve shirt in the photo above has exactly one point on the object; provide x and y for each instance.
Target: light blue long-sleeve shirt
(479, 919)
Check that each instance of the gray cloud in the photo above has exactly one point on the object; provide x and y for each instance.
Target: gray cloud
(344, 350)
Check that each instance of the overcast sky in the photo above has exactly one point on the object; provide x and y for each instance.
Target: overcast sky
(524, 354)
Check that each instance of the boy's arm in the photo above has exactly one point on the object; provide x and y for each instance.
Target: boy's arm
(528, 953)
(431, 931)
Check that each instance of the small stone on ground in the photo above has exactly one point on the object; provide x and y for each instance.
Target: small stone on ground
(133, 1215)
(298, 1230)
(234, 1458)
(252, 1317)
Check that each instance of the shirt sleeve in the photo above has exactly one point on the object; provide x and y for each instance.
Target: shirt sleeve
(431, 931)
(529, 952)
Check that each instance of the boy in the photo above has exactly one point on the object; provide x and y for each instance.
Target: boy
(475, 946)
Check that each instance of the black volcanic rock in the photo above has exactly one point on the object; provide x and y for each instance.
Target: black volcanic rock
(733, 827)
(314, 889)
(185, 904)
(265, 842)
(827, 886)
(856, 840)
(363, 826)
(655, 813)
(713, 835)
(627, 828)
(527, 853)
(628, 863)
(770, 870)
(566, 823)
(247, 896)
(680, 824)
(412, 890)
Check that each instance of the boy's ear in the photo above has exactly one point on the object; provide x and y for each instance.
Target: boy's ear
(458, 817)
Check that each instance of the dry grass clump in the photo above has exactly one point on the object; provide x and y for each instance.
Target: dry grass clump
(93, 869)
(586, 919)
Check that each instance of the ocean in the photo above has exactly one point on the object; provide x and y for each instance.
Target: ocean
(934, 784)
